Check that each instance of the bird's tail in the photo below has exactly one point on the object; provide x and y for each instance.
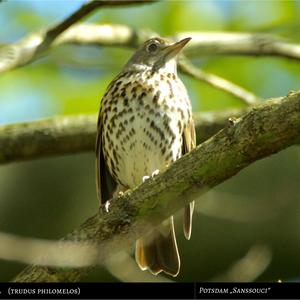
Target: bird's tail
(157, 251)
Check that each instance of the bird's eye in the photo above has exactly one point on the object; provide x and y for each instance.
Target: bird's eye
(152, 47)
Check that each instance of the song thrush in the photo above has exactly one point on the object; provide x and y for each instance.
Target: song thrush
(145, 123)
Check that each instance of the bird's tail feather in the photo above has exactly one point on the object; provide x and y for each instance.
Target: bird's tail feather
(158, 252)
(187, 219)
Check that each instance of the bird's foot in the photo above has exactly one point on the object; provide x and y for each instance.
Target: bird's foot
(145, 178)
(155, 173)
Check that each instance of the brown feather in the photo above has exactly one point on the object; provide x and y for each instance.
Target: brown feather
(189, 143)
(105, 183)
(157, 251)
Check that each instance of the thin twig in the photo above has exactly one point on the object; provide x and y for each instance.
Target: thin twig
(79, 14)
(218, 82)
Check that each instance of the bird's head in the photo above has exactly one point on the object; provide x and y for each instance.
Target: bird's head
(156, 54)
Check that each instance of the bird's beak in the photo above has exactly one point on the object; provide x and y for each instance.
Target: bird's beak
(172, 50)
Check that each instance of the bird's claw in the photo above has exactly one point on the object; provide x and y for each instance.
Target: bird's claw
(156, 172)
(145, 178)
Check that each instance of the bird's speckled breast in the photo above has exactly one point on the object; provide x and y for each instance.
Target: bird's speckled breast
(143, 117)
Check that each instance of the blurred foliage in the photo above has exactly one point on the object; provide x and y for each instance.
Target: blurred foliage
(48, 198)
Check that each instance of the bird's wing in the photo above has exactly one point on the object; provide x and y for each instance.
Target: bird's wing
(189, 143)
(106, 185)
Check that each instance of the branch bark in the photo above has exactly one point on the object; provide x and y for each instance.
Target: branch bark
(264, 130)
(75, 134)
(203, 43)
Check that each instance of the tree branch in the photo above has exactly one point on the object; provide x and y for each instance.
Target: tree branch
(253, 44)
(82, 12)
(23, 51)
(74, 134)
(218, 82)
(264, 130)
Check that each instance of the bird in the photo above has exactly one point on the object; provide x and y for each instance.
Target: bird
(145, 123)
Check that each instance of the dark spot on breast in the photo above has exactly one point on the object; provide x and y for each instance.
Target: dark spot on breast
(157, 129)
(181, 113)
(114, 90)
(132, 145)
(112, 164)
(179, 125)
(123, 94)
(115, 156)
(127, 84)
(134, 88)
(171, 89)
(131, 119)
(156, 97)
(170, 155)
(166, 106)
(140, 98)
(125, 102)
(107, 136)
